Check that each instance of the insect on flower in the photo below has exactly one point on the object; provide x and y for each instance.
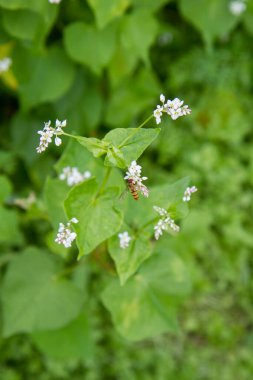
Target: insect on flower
(132, 188)
(134, 181)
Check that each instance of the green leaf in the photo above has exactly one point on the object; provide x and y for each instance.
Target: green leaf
(128, 260)
(53, 69)
(22, 24)
(138, 32)
(121, 65)
(35, 297)
(131, 141)
(121, 145)
(9, 229)
(73, 156)
(73, 341)
(24, 136)
(146, 305)
(28, 24)
(211, 18)
(107, 11)
(95, 146)
(90, 46)
(5, 188)
(93, 211)
(55, 203)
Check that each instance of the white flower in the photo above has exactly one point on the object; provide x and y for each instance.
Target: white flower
(60, 124)
(65, 235)
(57, 141)
(124, 239)
(73, 176)
(86, 174)
(74, 220)
(174, 108)
(188, 192)
(134, 174)
(5, 64)
(161, 211)
(48, 132)
(237, 7)
(164, 223)
(174, 104)
(158, 113)
(162, 98)
(54, 1)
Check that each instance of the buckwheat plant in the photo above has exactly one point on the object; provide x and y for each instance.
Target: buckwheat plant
(92, 175)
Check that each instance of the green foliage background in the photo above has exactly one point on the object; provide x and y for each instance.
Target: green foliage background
(102, 64)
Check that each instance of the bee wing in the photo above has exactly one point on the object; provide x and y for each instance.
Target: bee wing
(123, 194)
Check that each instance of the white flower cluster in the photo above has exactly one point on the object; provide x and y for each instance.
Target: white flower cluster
(174, 108)
(237, 7)
(164, 223)
(73, 176)
(65, 235)
(5, 64)
(48, 132)
(54, 1)
(134, 174)
(188, 192)
(124, 239)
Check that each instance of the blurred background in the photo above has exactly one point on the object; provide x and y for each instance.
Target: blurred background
(103, 64)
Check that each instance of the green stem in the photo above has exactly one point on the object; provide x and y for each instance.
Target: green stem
(67, 134)
(148, 223)
(145, 121)
(104, 182)
(135, 131)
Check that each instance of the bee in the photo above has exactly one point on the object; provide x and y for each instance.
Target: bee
(133, 189)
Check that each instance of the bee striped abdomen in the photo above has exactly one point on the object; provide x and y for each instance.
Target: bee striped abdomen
(132, 189)
(135, 195)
